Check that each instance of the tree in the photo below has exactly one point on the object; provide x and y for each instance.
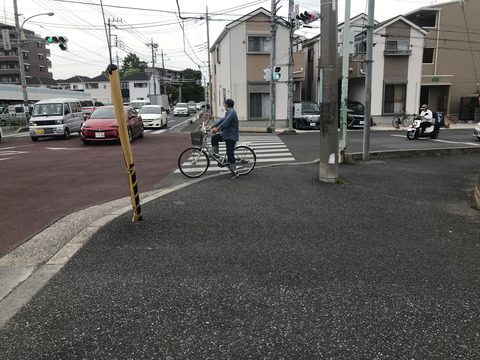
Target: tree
(192, 89)
(132, 64)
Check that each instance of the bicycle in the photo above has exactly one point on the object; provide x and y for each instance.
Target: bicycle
(195, 161)
(404, 120)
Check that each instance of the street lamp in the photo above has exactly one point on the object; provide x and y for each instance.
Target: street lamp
(21, 37)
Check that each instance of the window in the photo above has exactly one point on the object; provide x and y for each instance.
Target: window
(219, 60)
(40, 56)
(92, 86)
(428, 55)
(25, 54)
(140, 85)
(42, 68)
(398, 47)
(39, 44)
(27, 67)
(259, 44)
(394, 101)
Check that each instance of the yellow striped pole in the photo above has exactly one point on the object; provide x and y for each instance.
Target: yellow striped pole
(124, 140)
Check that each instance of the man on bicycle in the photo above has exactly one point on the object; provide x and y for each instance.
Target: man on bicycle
(228, 126)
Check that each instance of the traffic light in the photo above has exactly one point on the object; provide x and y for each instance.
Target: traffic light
(60, 40)
(278, 73)
(267, 74)
(308, 17)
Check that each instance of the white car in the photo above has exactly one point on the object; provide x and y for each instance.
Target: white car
(181, 109)
(153, 116)
(476, 131)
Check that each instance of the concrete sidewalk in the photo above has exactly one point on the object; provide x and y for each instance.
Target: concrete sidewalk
(272, 265)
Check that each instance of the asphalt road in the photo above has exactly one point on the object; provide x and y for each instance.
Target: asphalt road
(272, 265)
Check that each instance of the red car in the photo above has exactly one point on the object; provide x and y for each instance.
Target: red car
(102, 125)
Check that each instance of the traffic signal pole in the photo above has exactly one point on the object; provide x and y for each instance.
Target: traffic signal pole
(124, 140)
(328, 171)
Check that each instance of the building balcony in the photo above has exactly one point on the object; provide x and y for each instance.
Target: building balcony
(397, 52)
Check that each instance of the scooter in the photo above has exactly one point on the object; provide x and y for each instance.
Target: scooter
(415, 131)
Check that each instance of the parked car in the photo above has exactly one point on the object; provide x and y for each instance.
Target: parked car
(55, 117)
(88, 106)
(306, 115)
(192, 106)
(476, 131)
(181, 109)
(201, 105)
(102, 125)
(153, 116)
(356, 114)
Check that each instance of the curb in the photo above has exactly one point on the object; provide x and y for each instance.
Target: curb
(477, 192)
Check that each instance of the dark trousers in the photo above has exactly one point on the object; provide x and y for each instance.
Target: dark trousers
(230, 144)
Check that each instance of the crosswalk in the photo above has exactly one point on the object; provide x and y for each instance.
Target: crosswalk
(268, 149)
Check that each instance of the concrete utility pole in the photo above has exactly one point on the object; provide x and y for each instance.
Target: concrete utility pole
(23, 80)
(273, 57)
(329, 105)
(163, 76)
(154, 48)
(291, 23)
(368, 81)
(345, 70)
(209, 86)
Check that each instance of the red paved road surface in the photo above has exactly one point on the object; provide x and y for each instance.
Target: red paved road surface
(44, 181)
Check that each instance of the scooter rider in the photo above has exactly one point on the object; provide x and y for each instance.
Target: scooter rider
(427, 117)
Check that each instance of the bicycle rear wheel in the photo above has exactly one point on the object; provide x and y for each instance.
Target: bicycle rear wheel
(193, 162)
(396, 122)
(245, 159)
(405, 121)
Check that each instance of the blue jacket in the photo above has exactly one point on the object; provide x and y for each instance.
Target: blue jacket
(229, 125)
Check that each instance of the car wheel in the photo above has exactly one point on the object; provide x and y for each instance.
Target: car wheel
(34, 139)
(66, 134)
(142, 133)
(85, 142)
(130, 136)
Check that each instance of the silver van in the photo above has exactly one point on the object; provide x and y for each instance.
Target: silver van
(55, 117)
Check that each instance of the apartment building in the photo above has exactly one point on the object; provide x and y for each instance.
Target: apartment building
(35, 57)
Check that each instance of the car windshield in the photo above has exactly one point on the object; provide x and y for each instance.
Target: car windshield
(104, 113)
(136, 104)
(86, 103)
(310, 108)
(181, 105)
(357, 107)
(149, 110)
(48, 109)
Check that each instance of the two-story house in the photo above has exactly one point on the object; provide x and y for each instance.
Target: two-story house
(238, 58)
(451, 57)
(100, 88)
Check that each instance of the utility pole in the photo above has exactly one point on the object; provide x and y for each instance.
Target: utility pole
(154, 47)
(368, 81)
(23, 80)
(328, 171)
(291, 23)
(163, 76)
(345, 64)
(273, 57)
(209, 85)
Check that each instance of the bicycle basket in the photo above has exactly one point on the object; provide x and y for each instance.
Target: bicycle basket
(197, 137)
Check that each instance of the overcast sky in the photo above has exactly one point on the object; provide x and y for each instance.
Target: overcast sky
(137, 23)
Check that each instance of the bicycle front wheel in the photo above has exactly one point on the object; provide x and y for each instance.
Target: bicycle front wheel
(193, 162)
(245, 159)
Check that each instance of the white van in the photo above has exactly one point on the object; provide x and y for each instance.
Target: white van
(55, 117)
